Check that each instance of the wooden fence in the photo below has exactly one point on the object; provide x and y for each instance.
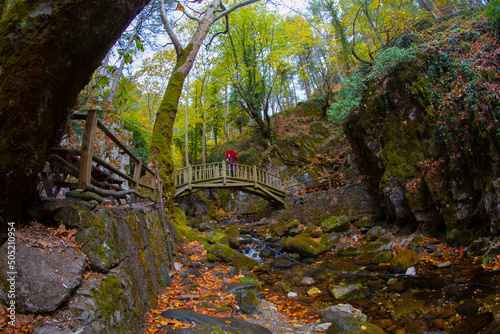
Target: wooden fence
(87, 167)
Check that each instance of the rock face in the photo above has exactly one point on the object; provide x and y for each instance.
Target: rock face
(45, 279)
(128, 274)
(433, 163)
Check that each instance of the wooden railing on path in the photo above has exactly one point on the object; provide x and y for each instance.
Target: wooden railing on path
(322, 184)
(80, 164)
(225, 175)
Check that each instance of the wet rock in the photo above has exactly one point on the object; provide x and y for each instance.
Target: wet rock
(45, 279)
(447, 313)
(347, 326)
(369, 248)
(314, 291)
(416, 326)
(248, 302)
(341, 311)
(402, 261)
(336, 224)
(472, 324)
(266, 253)
(384, 323)
(281, 287)
(350, 291)
(229, 255)
(443, 264)
(307, 281)
(292, 294)
(329, 240)
(235, 287)
(375, 285)
(228, 324)
(296, 231)
(282, 263)
(468, 308)
(304, 246)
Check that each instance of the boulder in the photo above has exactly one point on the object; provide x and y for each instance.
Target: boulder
(214, 237)
(228, 324)
(353, 326)
(402, 261)
(281, 287)
(374, 233)
(382, 258)
(329, 240)
(248, 302)
(341, 311)
(229, 255)
(304, 246)
(46, 275)
(336, 224)
(232, 236)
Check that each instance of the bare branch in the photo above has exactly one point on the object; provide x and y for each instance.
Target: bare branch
(168, 28)
(220, 32)
(233, 8)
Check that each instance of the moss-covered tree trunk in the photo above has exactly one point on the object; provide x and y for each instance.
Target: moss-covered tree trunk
(48, 52)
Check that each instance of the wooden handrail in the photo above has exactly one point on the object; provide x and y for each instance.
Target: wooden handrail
(87, 155)
(226, 172)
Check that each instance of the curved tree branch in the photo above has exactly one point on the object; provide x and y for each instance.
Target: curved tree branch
(168, 28)
(233, 8)
(220, 32)
(189, 15)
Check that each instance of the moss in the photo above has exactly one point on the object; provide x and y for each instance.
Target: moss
(108, 296)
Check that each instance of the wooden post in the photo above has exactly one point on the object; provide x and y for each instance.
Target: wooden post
(87, 148)
(255, 175)
(224, 172)
(137, 176)
(190, 177)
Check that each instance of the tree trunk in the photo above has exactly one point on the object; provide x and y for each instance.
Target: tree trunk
(186, 142)
(48, 52)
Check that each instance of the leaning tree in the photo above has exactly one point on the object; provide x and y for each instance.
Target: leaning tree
(161, 141)
(48, 52)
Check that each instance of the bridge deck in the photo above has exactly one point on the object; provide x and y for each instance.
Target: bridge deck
(237, 176)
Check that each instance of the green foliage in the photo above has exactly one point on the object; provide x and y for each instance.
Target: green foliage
(493, 14)
(353, 87)
(388, 59)
(348, 98)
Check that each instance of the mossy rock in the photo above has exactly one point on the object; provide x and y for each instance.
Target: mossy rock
(382, 258)
(336, 224)
(248, 301)
(281, 228)
(304, 246)
(353, 326)
(229, 255)
(364, 222)
(374, 233)
(281, 287)
(232, 233)
(213, 237)
(350, 291)
(402, 261)
(329, 240)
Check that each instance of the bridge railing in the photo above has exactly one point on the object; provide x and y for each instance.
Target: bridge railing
(82, 164)
(228, 172)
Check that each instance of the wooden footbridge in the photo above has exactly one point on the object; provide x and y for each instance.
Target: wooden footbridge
(246, 178)
(82, 164)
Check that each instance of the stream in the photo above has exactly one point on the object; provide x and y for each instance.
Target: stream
(447, 291)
